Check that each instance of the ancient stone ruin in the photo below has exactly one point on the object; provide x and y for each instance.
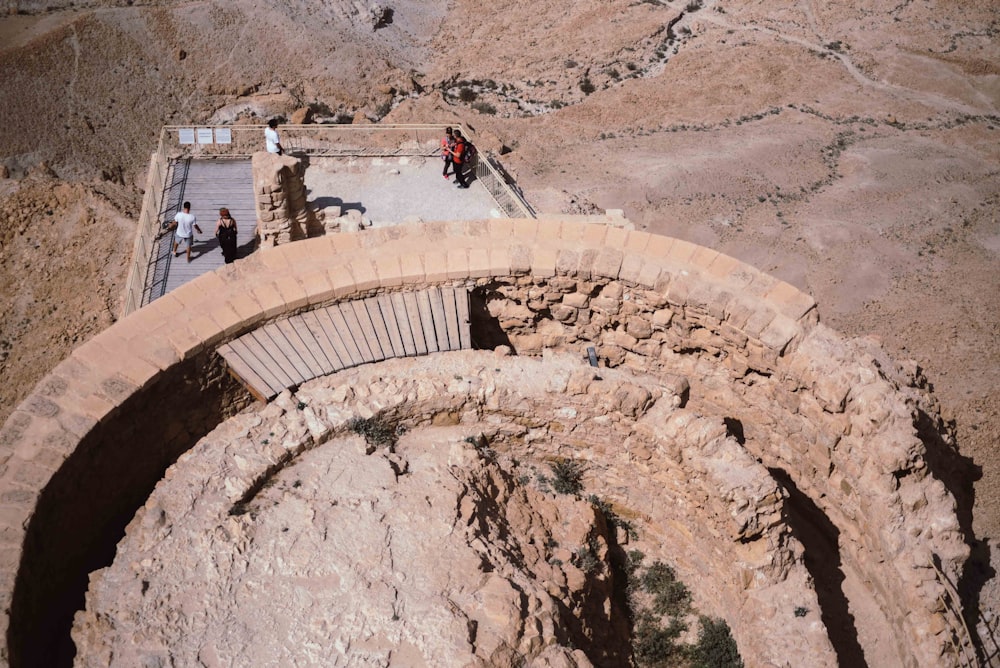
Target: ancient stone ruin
(283, 213)
(783, 469)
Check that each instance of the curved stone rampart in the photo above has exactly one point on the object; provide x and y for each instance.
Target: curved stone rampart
(127, 402)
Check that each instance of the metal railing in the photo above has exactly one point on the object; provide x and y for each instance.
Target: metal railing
(147, 231)
(242, 141)
(501, 187)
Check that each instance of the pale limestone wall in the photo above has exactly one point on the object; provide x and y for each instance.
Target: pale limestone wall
(840, 419)
(283, 214)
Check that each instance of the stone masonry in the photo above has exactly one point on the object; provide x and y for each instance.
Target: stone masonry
(836, 415)
(283, 214)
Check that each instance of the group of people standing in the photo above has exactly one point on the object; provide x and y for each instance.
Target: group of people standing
(455, 153)
(185, 224)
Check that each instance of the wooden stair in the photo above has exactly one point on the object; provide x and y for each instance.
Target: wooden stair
(286, 353)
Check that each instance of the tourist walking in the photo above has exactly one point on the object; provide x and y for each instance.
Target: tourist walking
(458, 159)
(225, 232)
(271, 138)
(184, 225)
(447, 145)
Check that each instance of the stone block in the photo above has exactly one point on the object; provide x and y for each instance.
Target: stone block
(565, 314)
(363, 271)
(681, 252)
(659, 246)
(758, 321)
(388, 269)
(183, 339)
(549, 230)
(247, 308)
(608, 263)
(662, 318)
(543, 263)
(500, 261)
(204, 331)
(649, 273)
(341, 281)
(501, 228)
(722, 266)
(520, 259)
(779, 332)
(270, 300)
(226, 317)
(631, 268)
(567, 262)
(343, 243)
(316, 284)
(525, 230)
(789, 300)
(639, 327)
(411, 268)
(585, 269)
(458, 264)
(292, 292)
(636, 242)
(679, 288)
(435, 266)
(704, 257)
(615, 237)
(594, 234)
(479, 263)
(577, 300)
(572, 231)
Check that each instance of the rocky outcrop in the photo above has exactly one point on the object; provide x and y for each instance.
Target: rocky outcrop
(447, 542)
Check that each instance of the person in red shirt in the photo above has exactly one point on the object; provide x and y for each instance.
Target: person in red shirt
(447, 144)
(458, 159)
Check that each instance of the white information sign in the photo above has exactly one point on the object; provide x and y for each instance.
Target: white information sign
(204, 135)
(223, 136)
(185, 136)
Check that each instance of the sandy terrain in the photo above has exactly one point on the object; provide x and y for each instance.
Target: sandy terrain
(850, 149)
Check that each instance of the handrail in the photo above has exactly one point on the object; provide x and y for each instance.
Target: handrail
(147, 230)
(501, 189)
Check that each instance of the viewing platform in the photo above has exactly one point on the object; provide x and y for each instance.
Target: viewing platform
(389, 174)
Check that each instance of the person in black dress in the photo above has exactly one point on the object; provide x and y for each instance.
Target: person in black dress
(225, 232)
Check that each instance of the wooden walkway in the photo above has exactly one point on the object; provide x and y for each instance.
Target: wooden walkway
(286, 353)
(209, 185)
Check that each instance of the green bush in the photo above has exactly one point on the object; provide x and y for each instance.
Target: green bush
(485, 108)
(376, 430)
(716, 647)
(566, 475)
(656, 646)
(586, 86)
(670, 595)
(466, 94)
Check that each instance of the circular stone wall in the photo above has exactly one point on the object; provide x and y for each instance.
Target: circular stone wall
(833, 421)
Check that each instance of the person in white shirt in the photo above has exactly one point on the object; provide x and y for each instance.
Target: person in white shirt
(271, 137)
(185, 223)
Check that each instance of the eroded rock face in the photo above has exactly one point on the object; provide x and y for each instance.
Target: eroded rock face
(429, 555)
(284, 536)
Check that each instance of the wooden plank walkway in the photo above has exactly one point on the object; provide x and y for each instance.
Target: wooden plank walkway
(286, 353)
(209, 185)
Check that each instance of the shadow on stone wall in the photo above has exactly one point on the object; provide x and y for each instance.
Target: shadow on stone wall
(820, 538)
(83, 511)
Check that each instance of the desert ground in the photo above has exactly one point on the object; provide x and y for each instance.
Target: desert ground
(851, 149)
